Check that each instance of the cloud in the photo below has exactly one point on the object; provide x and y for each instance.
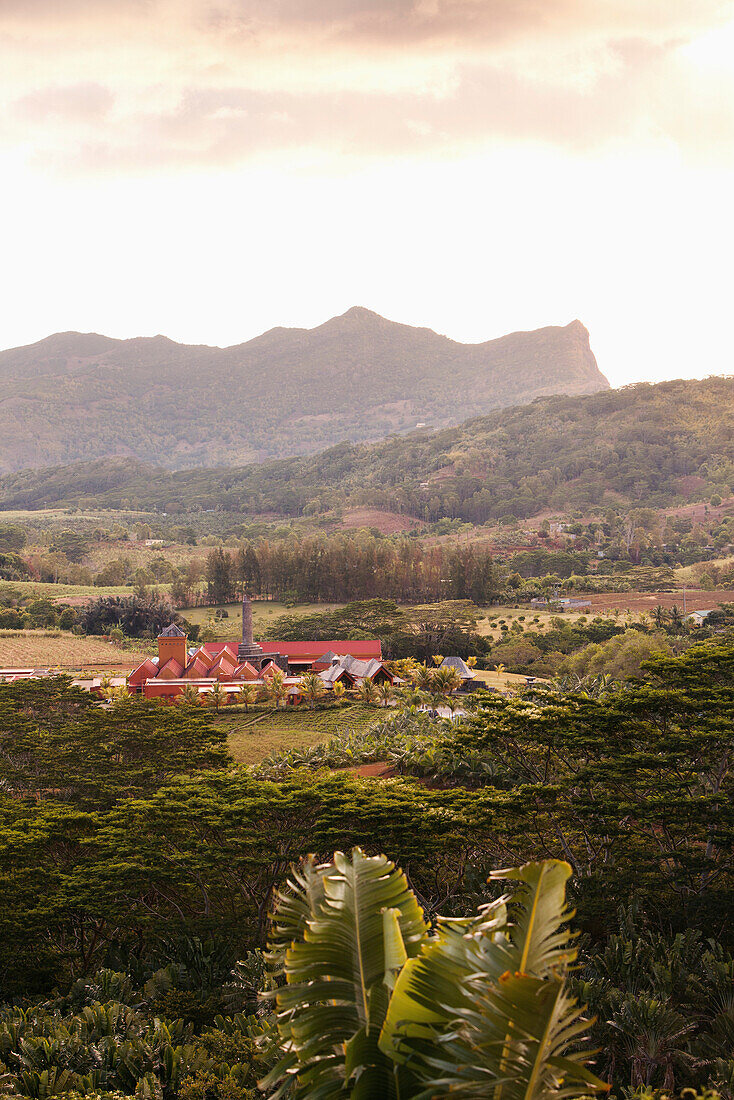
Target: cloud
(75, 103)
(136, 85)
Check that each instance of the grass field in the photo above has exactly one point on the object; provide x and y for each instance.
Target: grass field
(264, 612)
(529, 618)
(67, 652)
(253, 736)
(60, 593)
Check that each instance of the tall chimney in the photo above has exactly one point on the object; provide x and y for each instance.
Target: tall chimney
(247, 632)
(247, 647)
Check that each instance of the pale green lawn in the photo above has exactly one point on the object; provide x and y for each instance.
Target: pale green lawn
(253, 736)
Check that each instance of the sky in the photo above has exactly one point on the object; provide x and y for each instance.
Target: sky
(209, 169)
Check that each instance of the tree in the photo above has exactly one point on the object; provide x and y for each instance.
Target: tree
(247, 695)
(372, 1005)
(367, 693)
(447, 680)
(338, 692)
(220, 576)
(385, 693)
(136, 617)
(190, 696)
(71, 543)
(312, 688)
(276, 689)
(216, 696)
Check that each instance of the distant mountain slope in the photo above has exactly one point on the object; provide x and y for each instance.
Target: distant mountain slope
(643, 445)
(357, 377)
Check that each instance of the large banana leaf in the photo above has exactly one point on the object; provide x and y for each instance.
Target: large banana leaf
(349, 934)
(483, 1011)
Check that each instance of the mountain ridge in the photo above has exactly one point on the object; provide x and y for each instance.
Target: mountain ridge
(357, 377)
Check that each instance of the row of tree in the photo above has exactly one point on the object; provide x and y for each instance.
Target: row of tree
(342, 567)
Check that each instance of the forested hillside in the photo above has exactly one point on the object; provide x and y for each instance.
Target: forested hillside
(78, 396)
(643, 445)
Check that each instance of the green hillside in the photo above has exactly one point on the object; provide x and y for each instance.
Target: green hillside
(643, 445)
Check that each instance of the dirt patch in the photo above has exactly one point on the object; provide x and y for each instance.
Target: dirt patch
(697, 599)
(701, 510)
(373, 771)
(387, 523)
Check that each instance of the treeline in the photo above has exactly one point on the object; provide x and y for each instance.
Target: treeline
(127, 841)
(344, 567)
(620, 448)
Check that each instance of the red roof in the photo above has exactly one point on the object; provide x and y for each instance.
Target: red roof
(311, 651)
(147, 671)
(214, 649)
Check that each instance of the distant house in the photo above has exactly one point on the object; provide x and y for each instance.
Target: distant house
(351, 671)
(565, 602)
(697, 618)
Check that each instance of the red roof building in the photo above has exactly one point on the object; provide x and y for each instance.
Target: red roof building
(166, 676)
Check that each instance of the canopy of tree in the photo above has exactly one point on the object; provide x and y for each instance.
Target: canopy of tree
(127, 841)
(621, 447)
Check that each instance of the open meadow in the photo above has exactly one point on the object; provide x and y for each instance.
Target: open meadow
(264, 612)
(253, 736)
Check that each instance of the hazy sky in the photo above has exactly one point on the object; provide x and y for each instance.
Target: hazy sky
(211, 168)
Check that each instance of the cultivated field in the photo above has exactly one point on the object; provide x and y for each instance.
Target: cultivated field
(255, 735)
(66, 652)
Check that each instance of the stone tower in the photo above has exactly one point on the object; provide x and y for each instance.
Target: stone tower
(247, 647)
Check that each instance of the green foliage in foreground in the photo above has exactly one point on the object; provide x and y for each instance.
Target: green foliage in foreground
(58, 744)
(375, 1004)
(108, 1039)
(127, 841)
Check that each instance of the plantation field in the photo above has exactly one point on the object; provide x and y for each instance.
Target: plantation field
(253, 736)
(67, 652)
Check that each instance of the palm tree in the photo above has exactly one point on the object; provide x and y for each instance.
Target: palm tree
(119, 696)
(312, 688)
(190, 697)
(499, 669)
(659, 615)
(367, 693)
(385, 693)
(105, 686)
(216, 697)
(410, 697)
(276, 689)
(438, 659)
(447, 680)
(338, 692)
(423, 677)
(375, 1003)
(247, 695)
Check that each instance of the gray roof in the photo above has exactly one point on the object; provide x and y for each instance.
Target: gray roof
(172, 631)
(461, 667)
